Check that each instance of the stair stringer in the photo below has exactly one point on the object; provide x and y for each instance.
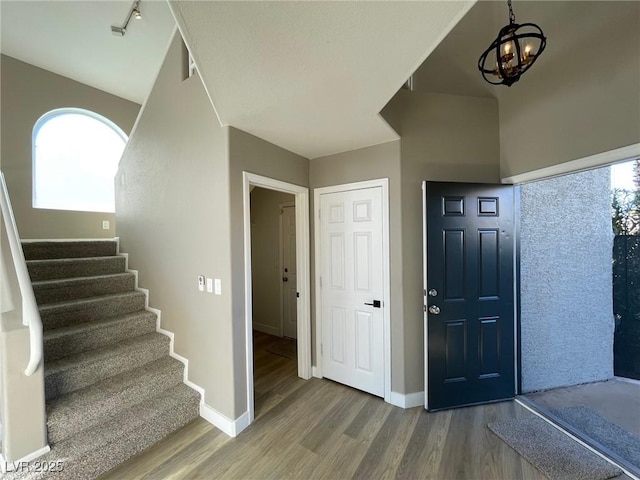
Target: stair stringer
(208, 413)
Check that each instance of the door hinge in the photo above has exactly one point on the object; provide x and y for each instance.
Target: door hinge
(424, 308)
(297, 294)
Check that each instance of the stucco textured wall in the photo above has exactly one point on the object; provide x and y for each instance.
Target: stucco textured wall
(566, 283)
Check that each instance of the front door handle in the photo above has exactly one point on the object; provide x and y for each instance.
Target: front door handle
(375, 304)
(434, 309)
(285, 279)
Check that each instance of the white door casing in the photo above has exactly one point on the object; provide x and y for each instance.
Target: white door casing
(289, 293)
(303, 280)
(352, 270)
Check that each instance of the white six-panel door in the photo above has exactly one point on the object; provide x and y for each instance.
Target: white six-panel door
(351, 263)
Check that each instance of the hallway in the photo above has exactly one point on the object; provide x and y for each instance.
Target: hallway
(275, 370)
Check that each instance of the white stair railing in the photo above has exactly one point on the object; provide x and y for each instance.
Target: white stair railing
(30, 313)
(22, 401)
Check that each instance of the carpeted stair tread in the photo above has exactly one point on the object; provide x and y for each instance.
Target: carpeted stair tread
(62, 314)
(111, 388)
(74, 267)
(78, 371)
(74, 339)
(69, 249)
(59, 290)
(119, 437)
(74, 412)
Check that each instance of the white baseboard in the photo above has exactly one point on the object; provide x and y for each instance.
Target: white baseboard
(402, 400)
(269, 329)
(228, 426)
(60, 240)
(11, 466)
(407, 400)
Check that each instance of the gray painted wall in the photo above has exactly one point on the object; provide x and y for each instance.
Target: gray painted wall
(172, 206)
(444, 138)
(179, 204)
(28, 93)
(583, 96)
(252, 154)
(566, 281)
(371, 163)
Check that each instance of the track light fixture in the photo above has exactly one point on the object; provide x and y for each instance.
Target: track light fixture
(512, 53)
(135, 13)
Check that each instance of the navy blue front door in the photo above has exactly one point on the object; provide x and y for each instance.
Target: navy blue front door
(470, 294)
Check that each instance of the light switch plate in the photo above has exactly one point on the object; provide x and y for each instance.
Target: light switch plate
(210, 285)
(105, 225)
(218, 286)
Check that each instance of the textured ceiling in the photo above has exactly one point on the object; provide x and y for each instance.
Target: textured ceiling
(74, 39)
(308, 76)
(311, 77)
(452, 68)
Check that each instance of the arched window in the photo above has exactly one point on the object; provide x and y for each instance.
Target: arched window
(75, 158)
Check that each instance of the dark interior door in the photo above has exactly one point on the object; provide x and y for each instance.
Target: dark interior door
(470, 293)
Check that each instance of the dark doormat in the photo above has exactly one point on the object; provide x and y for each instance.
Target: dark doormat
(607, 434)
(284, 347)
(551, 451)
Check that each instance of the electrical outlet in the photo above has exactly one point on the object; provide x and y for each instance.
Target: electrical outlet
(105, 225)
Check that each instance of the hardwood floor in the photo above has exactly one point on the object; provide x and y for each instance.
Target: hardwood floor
(318, 429)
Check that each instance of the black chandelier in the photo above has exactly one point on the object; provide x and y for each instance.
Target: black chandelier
(512, 53)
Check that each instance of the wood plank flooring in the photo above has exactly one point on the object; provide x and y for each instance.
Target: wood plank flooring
(318, 429)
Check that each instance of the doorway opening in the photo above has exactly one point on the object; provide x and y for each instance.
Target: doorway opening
(574, 265)
(277, 288)
(274, 295)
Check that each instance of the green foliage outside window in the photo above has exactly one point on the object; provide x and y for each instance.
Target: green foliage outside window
(625, 206)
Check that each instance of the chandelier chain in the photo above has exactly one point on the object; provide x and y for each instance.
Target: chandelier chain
(512, 17)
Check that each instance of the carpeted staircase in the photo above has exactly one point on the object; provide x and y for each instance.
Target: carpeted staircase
(112, 389)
